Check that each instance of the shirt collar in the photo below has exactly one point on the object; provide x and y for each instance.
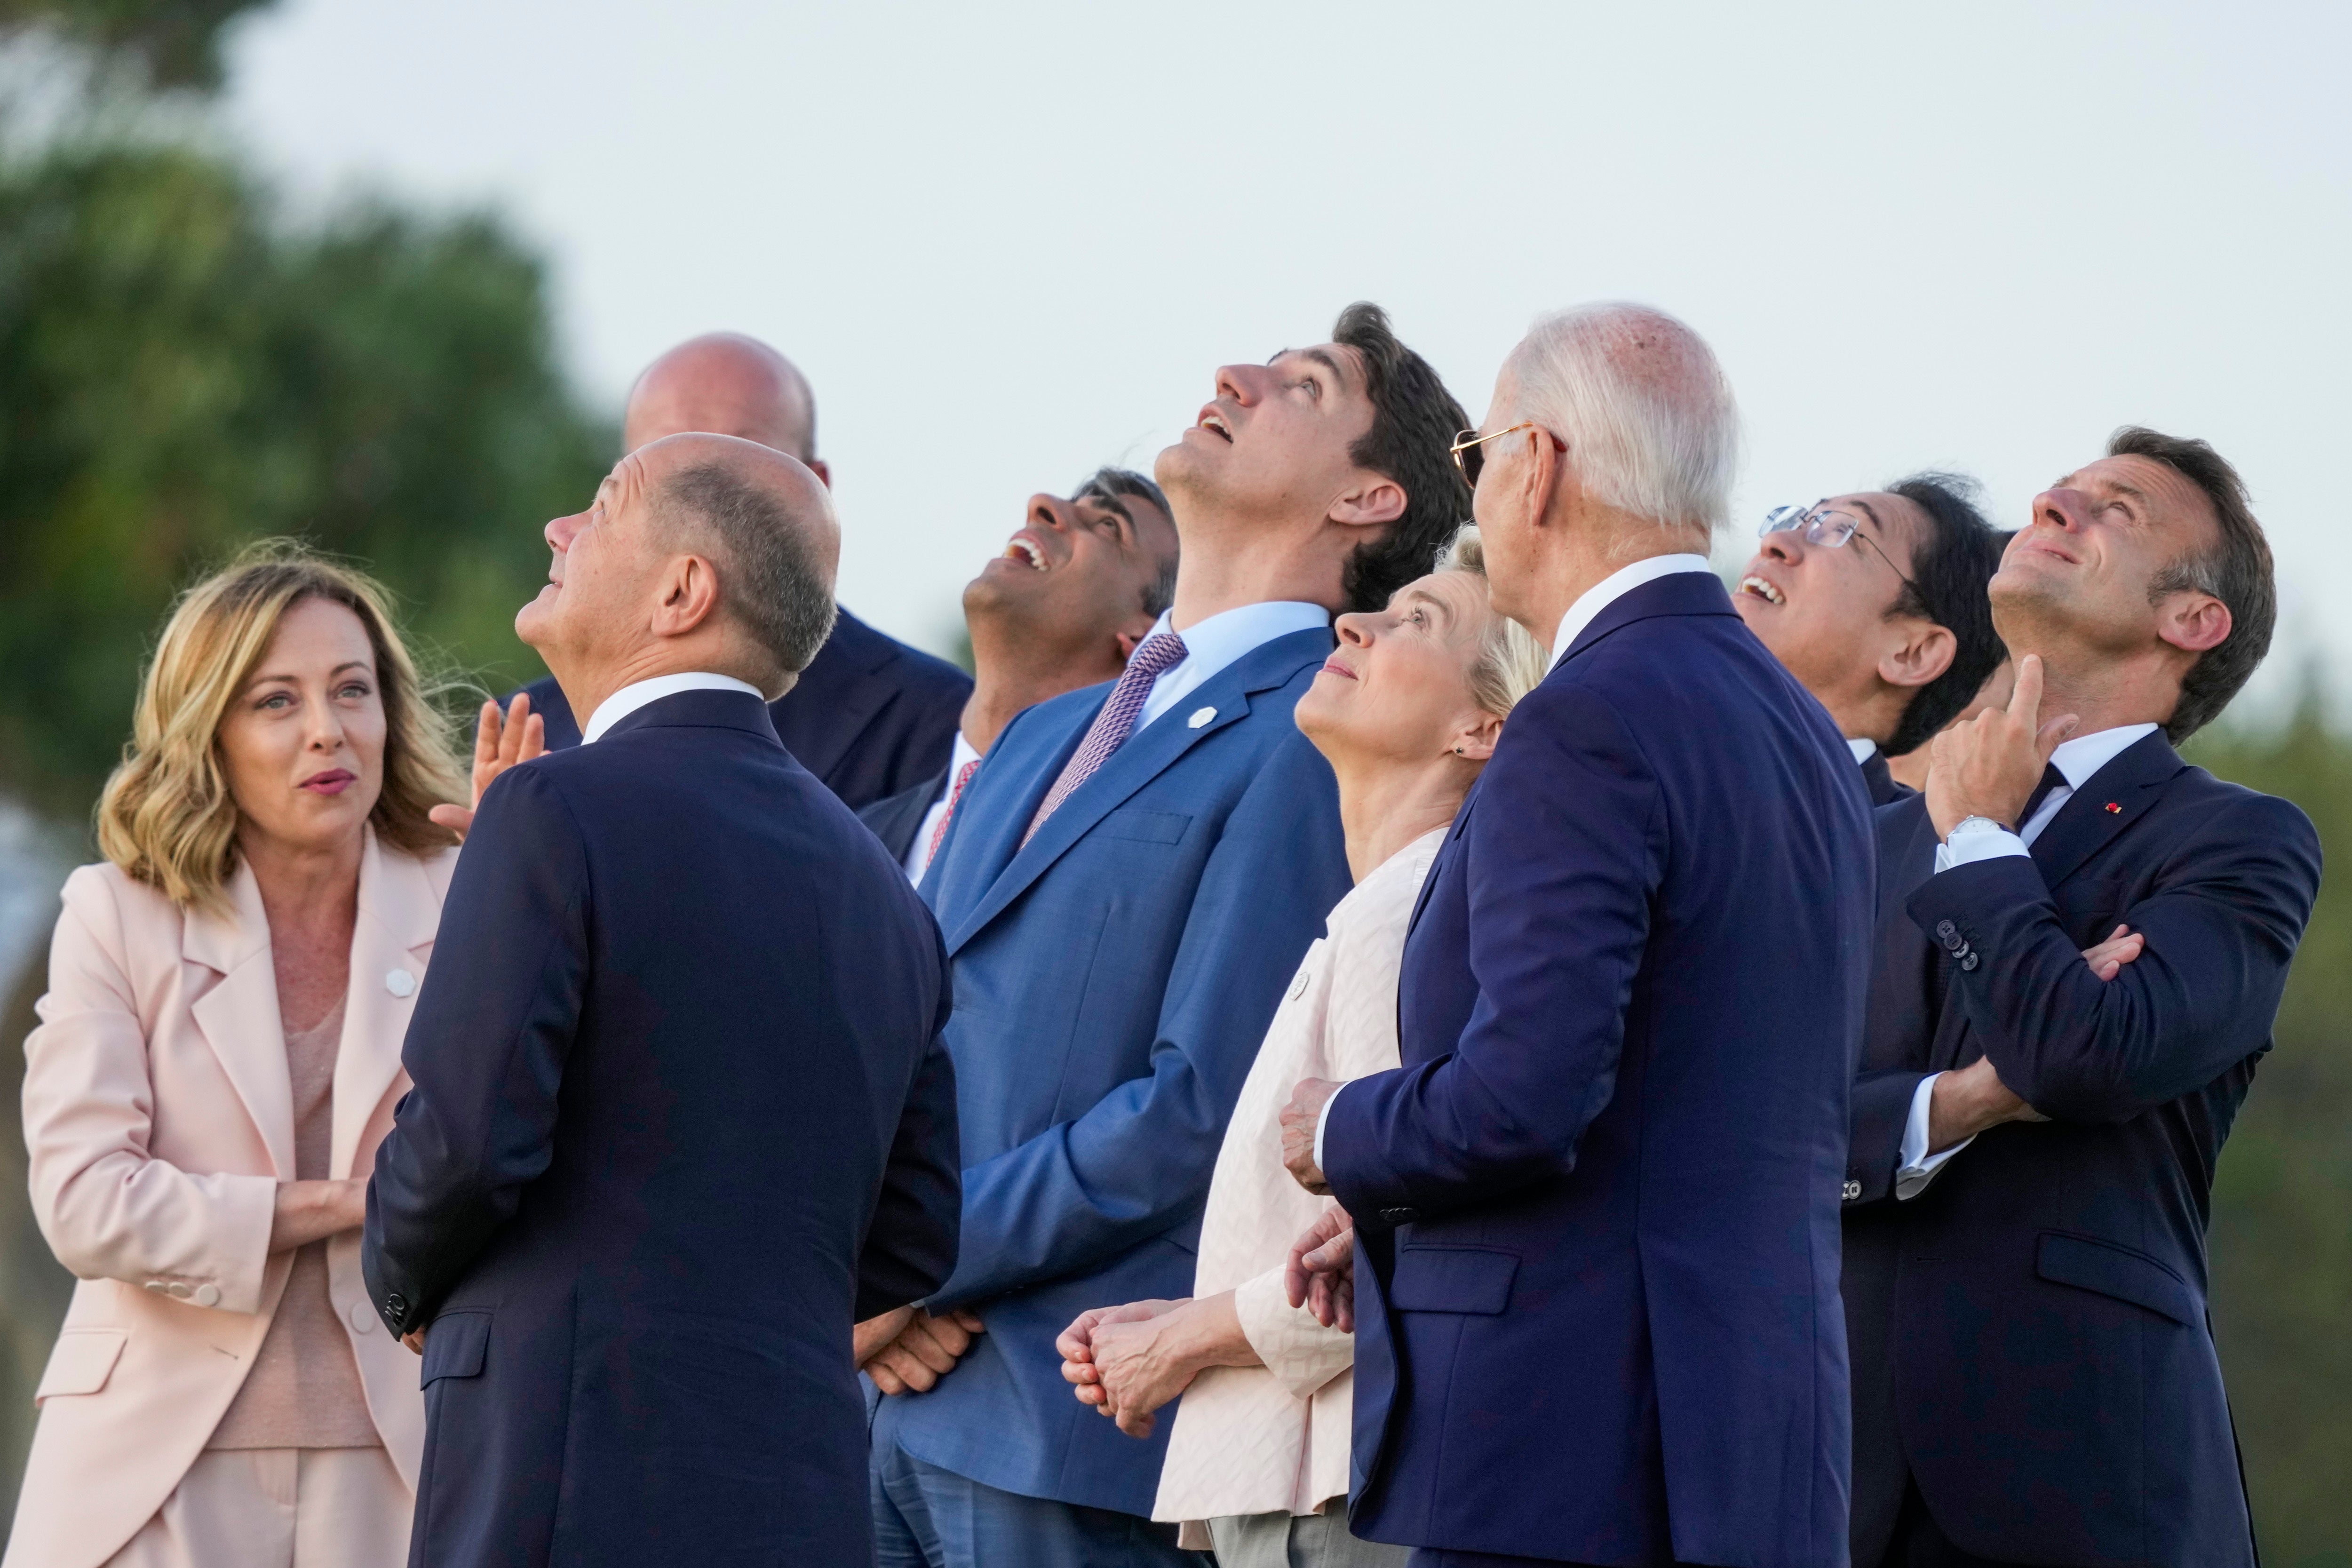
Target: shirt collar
(1863, 749)
(956, 760)
(1211, 644)
(2084, 755)
(1616, 585)
(638, 693)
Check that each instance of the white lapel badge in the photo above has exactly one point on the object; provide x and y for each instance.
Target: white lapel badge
(1200, 717)
(400, 983)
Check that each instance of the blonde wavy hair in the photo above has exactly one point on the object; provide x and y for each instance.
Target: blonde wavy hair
(166, 817)
(1511, 664)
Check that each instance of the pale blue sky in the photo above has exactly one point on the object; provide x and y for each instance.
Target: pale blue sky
(1008, 243)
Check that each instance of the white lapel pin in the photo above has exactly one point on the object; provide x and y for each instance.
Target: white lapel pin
(400, 983)
(1200, 717)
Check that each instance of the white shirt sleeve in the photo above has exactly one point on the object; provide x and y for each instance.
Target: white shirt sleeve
(1321, 1121)
(1971, 848)
(1919, 1167)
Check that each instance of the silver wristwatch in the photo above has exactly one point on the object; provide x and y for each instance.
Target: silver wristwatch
(1975, 825)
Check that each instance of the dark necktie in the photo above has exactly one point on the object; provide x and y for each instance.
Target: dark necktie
(2051, 779)
(1160, 652)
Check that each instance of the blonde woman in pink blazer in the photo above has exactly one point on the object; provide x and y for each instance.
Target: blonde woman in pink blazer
(217, 1057)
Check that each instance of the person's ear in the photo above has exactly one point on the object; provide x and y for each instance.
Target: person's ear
(1476, 739)
(689, 595)
(1926, 651)
(1377, 499)
(820, 469)
(1130, 637)
(2193, 622)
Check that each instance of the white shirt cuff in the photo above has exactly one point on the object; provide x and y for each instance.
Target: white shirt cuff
(1321, 1121)
(1919, 1167)
(1982, 845)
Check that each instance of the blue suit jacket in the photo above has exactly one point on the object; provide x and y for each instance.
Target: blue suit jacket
(1597, 1294)
(2030, 1341)
(680, 1117)
(869, 716)
(1113, 982)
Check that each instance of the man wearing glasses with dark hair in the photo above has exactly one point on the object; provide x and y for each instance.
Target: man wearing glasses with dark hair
(1876, 601)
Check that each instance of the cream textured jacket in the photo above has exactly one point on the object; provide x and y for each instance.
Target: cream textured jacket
(1274, 1439)
(159, 1116)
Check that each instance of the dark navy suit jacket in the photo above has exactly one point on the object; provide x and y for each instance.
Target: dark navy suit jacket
(1113, 981)
(2029, 1334)
(868, 717)
(680, 1117)
(895, 818)
(1878, 782)
(1597, 1286)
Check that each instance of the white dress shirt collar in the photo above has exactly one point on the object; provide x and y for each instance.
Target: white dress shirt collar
(1213, 645)
(1616, 585)
(1863, 749)
(2084, 755)
(638, 693)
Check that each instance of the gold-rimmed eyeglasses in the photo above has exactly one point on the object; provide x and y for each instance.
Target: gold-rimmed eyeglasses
(1469, 455)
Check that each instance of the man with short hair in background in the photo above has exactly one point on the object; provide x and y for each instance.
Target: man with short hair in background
(1876, 603)
(1129, 883)
(1071, 596)
(870, 716)
(2034, 1137)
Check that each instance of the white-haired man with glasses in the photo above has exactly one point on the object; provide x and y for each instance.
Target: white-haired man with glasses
(1596, 1210)
(1876, 603)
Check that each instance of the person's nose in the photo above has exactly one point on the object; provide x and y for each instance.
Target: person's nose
(562, 531)
(1050, 512)
(1785, 545)
(2062, 507)
(326, 727)
(1244, 383)
(1355, 630)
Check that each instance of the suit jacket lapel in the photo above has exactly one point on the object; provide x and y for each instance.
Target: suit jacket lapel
(238, 1015)
(841, 678)
(1446, 853)
(2131, 783)
(1147, 753)
(398, 911)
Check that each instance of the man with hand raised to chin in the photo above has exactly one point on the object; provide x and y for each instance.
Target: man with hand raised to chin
(2034, 1136)
(1127, 890)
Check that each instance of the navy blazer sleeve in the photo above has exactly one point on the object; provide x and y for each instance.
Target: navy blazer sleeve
(1566, 843)
(1131, 1166)
(910, 1244)
(2221, 925)
(486, 1049)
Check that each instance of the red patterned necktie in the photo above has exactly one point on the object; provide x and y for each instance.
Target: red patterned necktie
(1160, 652)
(955, 793)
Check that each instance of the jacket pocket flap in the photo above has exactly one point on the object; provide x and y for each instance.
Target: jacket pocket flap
(2120, 1272)
(82, 1362)
(1452, 1280)
(455, 1346)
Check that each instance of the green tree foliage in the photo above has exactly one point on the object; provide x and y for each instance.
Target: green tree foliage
(172, 45)
(181, 371)
(2282, 1230)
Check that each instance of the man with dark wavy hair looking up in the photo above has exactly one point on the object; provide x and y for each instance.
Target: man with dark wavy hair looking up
(1132, 878)
(2034, 1136)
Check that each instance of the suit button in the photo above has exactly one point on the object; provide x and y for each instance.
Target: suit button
(207, 1296)
(1850, 1190)
(158, 1286)
(1969, 963)
(177, 1289)
(1400, 1216)
(396, 1305)
(1944, 929)
(363, 1318)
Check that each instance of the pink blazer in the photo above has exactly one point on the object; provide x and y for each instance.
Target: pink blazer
(160, 1120)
